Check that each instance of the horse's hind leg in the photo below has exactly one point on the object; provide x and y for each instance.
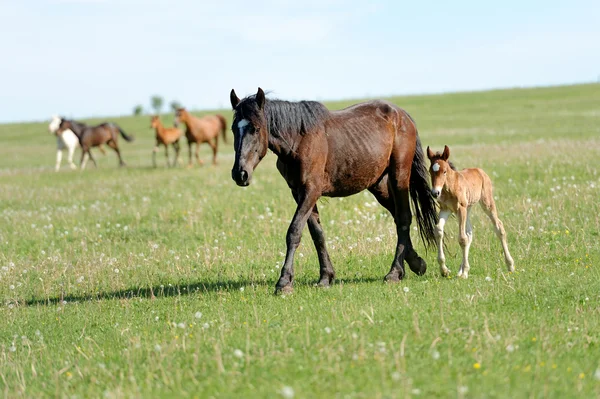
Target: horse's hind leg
(167, 155)
(177, 149)
(326, 272)
(200, 162)
(465, 237)
(381, 192)
(214, 149)
(489, 207)
(113, 144)
(154, 151)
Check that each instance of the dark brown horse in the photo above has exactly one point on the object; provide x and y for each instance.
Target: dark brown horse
(202, 130)
(370, 146)
(94, 136)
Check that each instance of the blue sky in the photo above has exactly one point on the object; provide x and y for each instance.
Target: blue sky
(83, 58)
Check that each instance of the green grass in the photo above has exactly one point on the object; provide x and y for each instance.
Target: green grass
(83, 254)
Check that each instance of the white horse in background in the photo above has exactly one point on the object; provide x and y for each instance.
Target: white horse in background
(67, 140)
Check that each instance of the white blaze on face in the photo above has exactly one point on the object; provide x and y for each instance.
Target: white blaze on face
(435, 167)
(241, 126)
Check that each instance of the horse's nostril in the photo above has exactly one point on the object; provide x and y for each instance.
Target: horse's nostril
(243, 175)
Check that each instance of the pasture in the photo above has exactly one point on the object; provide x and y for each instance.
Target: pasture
(143, 282)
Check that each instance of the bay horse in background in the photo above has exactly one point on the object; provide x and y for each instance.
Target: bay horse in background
(165, 136)
(202, 130)
(66, 140)
(94, 136)
(457, 191)
(369, 146)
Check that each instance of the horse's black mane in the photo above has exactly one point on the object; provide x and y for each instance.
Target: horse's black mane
(452, 166)
(285, 117)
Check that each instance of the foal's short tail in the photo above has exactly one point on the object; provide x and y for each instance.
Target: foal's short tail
(420, 192)
(223, 127)
(125, 135)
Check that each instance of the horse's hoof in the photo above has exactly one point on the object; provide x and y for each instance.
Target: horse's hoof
(393, 277)
(445, 272)
(464, 275)
(285, 290)
(419, 267)
(324, 283)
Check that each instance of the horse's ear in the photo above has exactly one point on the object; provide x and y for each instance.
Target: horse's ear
(446, 153)
(234, 99)
(260, 98)
(430, 153)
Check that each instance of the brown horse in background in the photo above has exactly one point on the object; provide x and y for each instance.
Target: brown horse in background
(95, 136)
(165, 136)
(202, 130)
(370, 146)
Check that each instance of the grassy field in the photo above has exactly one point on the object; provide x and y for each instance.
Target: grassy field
(147, 282)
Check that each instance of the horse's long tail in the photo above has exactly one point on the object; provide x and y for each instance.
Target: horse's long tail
(420, 192)
(223, 127)
(125, 135)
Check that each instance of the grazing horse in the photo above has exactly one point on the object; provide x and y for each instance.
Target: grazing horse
(369, 146)
(94, 136)
(457, 191)
(165, 136)
(202, 130)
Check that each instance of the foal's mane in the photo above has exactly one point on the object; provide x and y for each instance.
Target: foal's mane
(285, 117)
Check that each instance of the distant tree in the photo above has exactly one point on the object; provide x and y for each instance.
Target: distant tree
(138, 110)
(175, 105)
(157, 103)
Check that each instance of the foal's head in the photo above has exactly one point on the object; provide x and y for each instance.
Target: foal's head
(439, 169)
(250, 133)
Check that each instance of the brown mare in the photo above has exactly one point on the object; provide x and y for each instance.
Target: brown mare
(202, 130)
(95, 136)
(456, 192)
(165, 136)
(370, 146)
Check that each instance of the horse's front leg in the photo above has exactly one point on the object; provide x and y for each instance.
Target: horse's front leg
(307, 199)
(326, 272)
(59, 155)
(439, 235)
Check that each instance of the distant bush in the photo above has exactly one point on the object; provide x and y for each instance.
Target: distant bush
(138, 110)
(157, 103)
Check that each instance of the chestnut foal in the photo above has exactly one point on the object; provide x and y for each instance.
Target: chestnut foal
(456, 192)
(165, 136)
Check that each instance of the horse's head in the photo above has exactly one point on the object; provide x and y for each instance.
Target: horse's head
(64, 125)
(250, 133)
(438, 170)
(54, 124)
(154, 122)
(180, 115)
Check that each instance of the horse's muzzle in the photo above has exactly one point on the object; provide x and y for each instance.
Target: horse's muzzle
(435, 192)
(241, 177)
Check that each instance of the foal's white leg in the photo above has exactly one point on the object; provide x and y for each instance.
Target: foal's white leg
(501, 233)
(71, 150)
(59, 155)
(439, 235)
(463, 240)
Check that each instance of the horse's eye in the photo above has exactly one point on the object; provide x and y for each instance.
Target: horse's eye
(445, 171)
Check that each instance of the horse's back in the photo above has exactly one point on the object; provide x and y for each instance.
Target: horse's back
(477, 183)
(360, 142)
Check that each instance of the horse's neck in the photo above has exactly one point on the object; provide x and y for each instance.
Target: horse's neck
(452, 180)
(282, 146)
(160, 129)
